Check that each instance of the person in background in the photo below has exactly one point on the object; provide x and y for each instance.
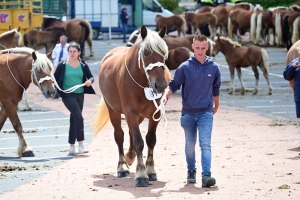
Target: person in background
(292, 71)
(60, 51)
(69, 73)
(124, 19)
(199, 79)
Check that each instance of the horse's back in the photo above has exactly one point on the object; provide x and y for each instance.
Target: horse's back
(173, 43)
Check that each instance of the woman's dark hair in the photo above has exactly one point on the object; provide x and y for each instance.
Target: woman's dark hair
(74, 45)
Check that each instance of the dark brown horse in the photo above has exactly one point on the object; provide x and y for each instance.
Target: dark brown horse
(237, 57)
(263, 25)
(18, 68)
(47, 38)
(277, 15)
(287, 28)
(293, 52)
(77, 30)
(125, 76)
(10, 39)
(177, 56)
(177, 21)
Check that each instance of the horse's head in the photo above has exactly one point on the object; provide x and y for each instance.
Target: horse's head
(152, 54)
(11, 38)
(42, 73)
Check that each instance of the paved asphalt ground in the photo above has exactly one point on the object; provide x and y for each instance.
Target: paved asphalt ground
(47, 130)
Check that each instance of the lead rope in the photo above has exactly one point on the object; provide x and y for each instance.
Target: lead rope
(24, 90)
(161, 107)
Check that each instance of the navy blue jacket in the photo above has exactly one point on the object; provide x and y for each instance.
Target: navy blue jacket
(87, 75)
(291, 72)
(199, 84)
(123, 17)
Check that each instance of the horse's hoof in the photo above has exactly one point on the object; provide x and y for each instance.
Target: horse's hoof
(28, 154)
(152, 177)
(270, 93)
(141, 182)
(123, 174)
(91, 55)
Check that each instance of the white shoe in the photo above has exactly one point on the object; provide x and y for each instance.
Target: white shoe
(73, 150)
(82, 149)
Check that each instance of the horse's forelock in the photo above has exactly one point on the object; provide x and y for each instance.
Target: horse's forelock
(43, 63)
(153, 42)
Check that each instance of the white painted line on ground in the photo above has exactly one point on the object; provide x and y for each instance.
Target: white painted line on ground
(251, 101)
(284, 106)
(40, 146)
(35, 113)
(95, 63)
(42, 128)
(282, 112)
(40, 136)
(39, 120)
(248, 70)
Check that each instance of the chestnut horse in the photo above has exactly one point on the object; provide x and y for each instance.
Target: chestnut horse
(237, 57)
(126, 77)
(177, 56)
(293, 52)
(177, 21)
(18, 68)
(47, 38)
(200, 19)
(77, 30)
(11, 38)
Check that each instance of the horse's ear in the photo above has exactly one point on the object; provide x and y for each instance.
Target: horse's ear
(34, 55)
(49, 54)
(143, 32)
(9, 27)
(162, 31)
(19, 28)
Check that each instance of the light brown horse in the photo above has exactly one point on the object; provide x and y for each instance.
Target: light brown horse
(237, 57)
(296, 30)
(204, 9)
(197, 20)
(11, 38)
(47, 38)
(177, 21)
(77, 30)
(125, 74)
(18, 68)
(293, 52)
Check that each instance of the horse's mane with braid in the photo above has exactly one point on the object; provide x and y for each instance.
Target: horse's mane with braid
(235, 44)
(41, 63)
(153, 42)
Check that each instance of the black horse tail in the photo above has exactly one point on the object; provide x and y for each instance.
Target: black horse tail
(25, 39)
(285, 30)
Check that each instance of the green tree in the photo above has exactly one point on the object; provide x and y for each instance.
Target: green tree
(169, 4)
(269, 3)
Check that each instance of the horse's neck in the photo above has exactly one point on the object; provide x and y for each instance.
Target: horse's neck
(227, 48)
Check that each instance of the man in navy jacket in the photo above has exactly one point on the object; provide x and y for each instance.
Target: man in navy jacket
(200, 81)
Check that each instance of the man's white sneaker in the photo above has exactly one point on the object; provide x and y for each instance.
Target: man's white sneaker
(82, 149)
(73, 150)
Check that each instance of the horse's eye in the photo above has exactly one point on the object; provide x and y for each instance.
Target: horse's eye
(146, 53)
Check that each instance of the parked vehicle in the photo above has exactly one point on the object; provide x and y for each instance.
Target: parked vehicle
(104, 14)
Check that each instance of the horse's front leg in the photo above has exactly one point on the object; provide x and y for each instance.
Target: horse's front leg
(231, 69)
(3, 117)
(256, 74)
(239, 72)
(141, 177)
(9, 110)
(151, 141)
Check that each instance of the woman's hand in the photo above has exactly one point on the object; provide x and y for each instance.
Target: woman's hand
(88, 83)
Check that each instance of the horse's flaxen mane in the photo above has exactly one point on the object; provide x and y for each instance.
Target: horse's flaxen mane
(294, 6)
(277, 7)
(134, 33)
(235, 44)
(153, 42)
(10, 32)
(41, 63)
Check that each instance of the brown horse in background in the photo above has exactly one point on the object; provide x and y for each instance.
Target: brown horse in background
(293, 52)
(237, 57)
(177, 56)
(18, 68)
(204, 9)
(200, 19)
(47, 38)
(11, 38)
(77, 30)
(177, 21)
(125, 76)
(287, 28)
(277, 19)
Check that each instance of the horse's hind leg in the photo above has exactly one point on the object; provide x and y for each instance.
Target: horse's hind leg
(89, 42)
(266, 75)
(151, 141)
(115, 118)
(239, 72)
(3, 118)
(10, 109)
(256, 75)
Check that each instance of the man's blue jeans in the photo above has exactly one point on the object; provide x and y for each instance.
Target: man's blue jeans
(203, 123)
(124, 26)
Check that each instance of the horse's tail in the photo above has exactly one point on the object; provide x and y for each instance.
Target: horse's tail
(229, 27)
(87, 30)
(168, 75)
(183, 26)
(90, 29)
(101, 118)
(295, 36)
(258, 28)
(265, 59)
(278, 30)
(25, 39)
(285, 30)
(253, 26)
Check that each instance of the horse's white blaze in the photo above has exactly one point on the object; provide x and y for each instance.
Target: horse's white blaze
(295, 36)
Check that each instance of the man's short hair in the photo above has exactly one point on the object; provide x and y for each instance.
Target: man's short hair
(64, 37)
(200, 38)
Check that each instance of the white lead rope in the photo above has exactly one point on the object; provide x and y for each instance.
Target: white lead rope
(70, 90)
(162, 110)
